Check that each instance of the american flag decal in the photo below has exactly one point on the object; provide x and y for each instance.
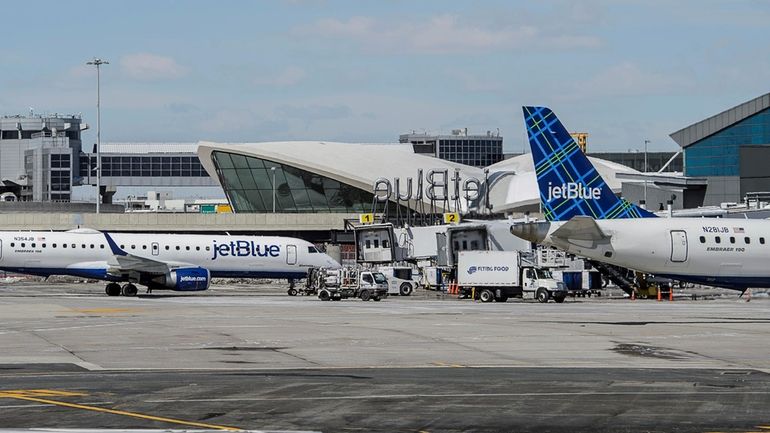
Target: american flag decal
(737, 229)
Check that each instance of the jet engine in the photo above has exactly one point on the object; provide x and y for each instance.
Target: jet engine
(184, 279)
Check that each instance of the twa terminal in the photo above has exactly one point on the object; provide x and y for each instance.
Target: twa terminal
(323, 177)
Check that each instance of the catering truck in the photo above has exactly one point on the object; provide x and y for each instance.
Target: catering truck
(498, 275)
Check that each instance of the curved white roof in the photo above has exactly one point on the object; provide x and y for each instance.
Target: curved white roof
(360, 165)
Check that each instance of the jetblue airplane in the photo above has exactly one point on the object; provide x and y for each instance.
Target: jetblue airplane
(157, 261)
(584, 217)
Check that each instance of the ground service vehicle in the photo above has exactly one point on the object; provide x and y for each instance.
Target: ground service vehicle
(337, 284)
(400, 280)
(499, 275)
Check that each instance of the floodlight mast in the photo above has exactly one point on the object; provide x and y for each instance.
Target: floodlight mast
(98, 63)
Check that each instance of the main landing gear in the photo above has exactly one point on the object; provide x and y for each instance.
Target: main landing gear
(114, 289)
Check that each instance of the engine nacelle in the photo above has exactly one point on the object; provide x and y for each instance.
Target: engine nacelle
(187, 279)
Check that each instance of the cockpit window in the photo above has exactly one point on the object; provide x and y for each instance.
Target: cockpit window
(312, 249)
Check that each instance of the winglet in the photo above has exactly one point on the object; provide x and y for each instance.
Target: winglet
(569, 183)
(113, 246)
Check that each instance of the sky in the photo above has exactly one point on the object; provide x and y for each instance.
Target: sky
(367, 71)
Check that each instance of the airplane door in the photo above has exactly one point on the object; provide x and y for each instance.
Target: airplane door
(678, 246)
(155, 249)
(291, 254)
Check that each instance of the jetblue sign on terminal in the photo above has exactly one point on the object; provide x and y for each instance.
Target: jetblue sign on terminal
(245, 249)
(436, 185)
(572, 191)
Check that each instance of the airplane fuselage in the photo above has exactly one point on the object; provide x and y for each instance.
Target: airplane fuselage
(88, 254)
(732, 253)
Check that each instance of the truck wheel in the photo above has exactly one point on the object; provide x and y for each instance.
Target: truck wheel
(292, 292)
(542, 295)
(365, 295)
(324, 295)
(559, 299)
(486, 295)
(405, 289)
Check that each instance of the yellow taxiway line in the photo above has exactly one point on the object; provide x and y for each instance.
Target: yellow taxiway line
(37, 395)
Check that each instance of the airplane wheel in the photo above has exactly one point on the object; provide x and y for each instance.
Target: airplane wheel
(112, 289)
(292, 292)
(129, 290)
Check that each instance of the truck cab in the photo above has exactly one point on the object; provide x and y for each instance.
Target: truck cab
(541, 284)
(400, 280)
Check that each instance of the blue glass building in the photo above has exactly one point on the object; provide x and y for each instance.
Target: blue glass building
(731, 150)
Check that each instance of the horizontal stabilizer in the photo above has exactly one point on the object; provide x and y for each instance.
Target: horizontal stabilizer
(580, 228)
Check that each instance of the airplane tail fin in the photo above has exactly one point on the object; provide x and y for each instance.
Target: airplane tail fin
(569, 184)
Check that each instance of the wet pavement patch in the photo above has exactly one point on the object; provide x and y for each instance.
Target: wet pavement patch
(646, 351)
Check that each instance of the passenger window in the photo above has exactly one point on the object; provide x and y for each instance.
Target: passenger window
(53, 245)
(166, 247)
(717, 239)
(197, 248)
(177, 247)
(23, 244)
(187, 248)
(703, 239)
(312, 250)
(64, 245)
(747, 239)
(762, 241)
(83, 246)
(92, 246)
(13, 244)
(133, 247)
(208, 248)
(122, 247)
(43, 245)
(144, 247)
(732, 239)
(368, 278)
(74, 246)
(33, 245)
(101, 246)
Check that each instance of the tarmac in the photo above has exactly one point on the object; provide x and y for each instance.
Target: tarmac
(252, 358)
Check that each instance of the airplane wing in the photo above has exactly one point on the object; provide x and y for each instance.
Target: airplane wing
(580, 228)
(123, 261)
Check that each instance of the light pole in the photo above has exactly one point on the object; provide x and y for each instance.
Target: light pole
(273, 170)
(98, 63)
(646, 142)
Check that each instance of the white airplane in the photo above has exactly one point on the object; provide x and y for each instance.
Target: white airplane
(157, 261)
(584, 217)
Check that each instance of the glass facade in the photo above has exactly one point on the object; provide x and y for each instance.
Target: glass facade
(248, 184)
(473, 152)
(719, 154)
(145, 166)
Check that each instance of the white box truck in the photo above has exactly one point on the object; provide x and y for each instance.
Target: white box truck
(498, 275)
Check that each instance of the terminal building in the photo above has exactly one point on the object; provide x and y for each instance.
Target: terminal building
(473, 150)
(731, 151)
(38, 156)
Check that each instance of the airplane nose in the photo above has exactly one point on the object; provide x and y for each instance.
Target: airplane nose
(533, 232)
